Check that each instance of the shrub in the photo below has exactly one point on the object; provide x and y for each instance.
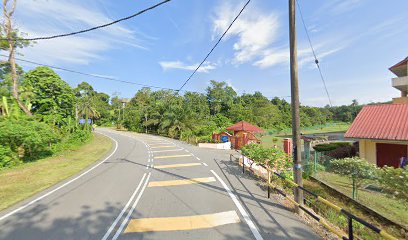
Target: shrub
(273, 158)
(330, 146)
(357, 169)
(34, 138)
(256, 152)
(278, 160)
(342, 152)
(7, 157)
(394, 181)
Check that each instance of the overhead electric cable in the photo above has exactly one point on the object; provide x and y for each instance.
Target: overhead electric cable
(89, 74)
(314, 53)
(216, 44)
(89, 29)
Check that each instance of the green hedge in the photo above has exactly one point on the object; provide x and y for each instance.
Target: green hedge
(330, 146)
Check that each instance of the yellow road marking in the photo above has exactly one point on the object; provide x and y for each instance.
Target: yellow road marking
(182, 223)
(177, 165)
(180, 182)
(165, 146)
(173, 156)
(168, 150)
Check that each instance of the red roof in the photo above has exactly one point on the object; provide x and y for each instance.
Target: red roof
(403, 62)
(245, 126)
(383, 122)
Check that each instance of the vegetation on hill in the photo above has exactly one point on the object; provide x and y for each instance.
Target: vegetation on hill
(196, 115)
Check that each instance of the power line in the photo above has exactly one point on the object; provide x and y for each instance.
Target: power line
(89, 29)
(89, 74)
(216, 44)
(314, 53)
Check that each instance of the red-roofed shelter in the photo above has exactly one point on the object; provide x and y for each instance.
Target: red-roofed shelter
(245, 126)
(244, 133)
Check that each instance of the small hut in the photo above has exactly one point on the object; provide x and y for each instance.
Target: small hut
(244, 133)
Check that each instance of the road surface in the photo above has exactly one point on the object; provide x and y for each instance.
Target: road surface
(152, 187)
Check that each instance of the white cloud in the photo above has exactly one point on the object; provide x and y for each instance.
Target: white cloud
(45, 18)
(205, 67)
(340, 6)
(255, 30)
(278, 56)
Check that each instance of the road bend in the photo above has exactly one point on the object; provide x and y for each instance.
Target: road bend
(152, 187)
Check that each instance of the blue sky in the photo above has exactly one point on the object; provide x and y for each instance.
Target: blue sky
(355, 40)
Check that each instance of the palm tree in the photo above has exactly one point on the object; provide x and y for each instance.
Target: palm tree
(176, 120)
(87, 110)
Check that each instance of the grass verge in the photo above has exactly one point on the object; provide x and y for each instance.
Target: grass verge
(339, 219)
(392, 208)
(25, 180)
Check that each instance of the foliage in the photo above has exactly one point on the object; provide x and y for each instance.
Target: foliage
(274, 158)
(278, 160)
(29, 139)
(7, 157)
(330, 146)
(256, 152)
(53, 99)
(346, 151)
(357, 169)
(394, 181)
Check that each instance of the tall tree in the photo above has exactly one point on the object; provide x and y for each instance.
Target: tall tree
(53, 99)
(12, 42)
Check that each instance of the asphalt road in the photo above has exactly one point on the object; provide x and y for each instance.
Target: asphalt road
(152, 187)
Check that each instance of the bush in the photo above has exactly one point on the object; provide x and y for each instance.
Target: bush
(273, 158)
(394, 181)
(7, 157)
(357, 169)
(342, 152)
(330, 146)
(29, 138)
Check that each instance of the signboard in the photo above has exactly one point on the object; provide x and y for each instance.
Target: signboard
(224, 139)
(82, 121)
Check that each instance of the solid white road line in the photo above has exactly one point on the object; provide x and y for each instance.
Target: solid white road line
(247, 218)
(132, 209)
(123, 210)
(63, 185)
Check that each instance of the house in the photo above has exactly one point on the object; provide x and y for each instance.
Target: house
(244, 133)
(382, 130)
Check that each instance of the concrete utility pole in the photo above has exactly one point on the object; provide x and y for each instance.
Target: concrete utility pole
(294, 85)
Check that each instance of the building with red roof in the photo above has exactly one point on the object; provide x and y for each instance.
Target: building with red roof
(243, 133)
(244, 126)
(382, 130)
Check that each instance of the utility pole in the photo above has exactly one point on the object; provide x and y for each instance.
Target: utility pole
(294, 86)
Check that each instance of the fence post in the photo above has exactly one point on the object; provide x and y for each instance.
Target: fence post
(350, 228)
(269, 182)
(315, 162)
(243, 164)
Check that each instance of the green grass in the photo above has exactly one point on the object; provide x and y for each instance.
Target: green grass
(25, 180)
(392, 208)
(340, 220)
(267, 140)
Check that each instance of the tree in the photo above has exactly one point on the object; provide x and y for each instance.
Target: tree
(12, 42)
(53, 99)
(357, 169)
(220, 97)
(87, 111)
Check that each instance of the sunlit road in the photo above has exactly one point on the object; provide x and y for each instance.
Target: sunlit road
(153, 188)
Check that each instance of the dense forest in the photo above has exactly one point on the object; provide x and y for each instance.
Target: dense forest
(46, 117)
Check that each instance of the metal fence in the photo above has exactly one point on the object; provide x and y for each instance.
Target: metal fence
(312, 162)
